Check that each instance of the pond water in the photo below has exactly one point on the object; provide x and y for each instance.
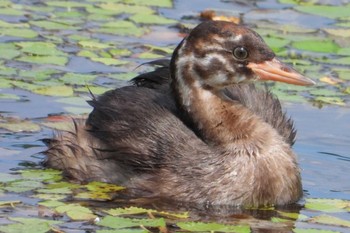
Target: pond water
(321, 113)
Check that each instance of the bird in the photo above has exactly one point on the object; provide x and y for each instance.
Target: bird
(196, 129)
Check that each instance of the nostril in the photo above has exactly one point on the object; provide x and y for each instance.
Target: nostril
(287, 69)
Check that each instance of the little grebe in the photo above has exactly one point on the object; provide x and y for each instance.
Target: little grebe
(196, 131)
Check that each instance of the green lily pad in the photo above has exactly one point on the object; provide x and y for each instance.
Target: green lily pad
(9, 203)
(136, 210)
(119, 8)
(76, 212)
(55, 90)
(40, 48)
(276, 44)
(95, 90)
(77, 79)
(42, 175)
(157, 3)
(4, 177)
(29, 225)
(325, 11)
(330, 220)
(330, 100)
(19, 32)
(77, 110)
(10, 11)
(54, 60)
(51, 203)
(119, 52)
(66, 4)
(20, 126)
(93, 44)
(118, 222)
(149, 55)
(295, 216)
(338, 32)
(109, 61)
(37, 74)
(344, 51)
(48, 25)
(310, 230)
(327, 205)
(122, 28)
(20, 186)
(200, 227)
(143, 18)
(324, 46)
(123, 76)
(103, 187)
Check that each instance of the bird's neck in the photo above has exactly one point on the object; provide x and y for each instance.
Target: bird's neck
(219, 121)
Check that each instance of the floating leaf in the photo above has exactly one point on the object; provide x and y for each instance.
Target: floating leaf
(29, 225)
(77, 110)
(330, 220)
(55, 90)
(4, 177)
(19, 32)
(123, 231)
(276, 44)
(324, 46)
(295, 216)
(327, 205)
(76, 212)
(344, 51)
(20, 126)
(93, 44)
(157, 3)
(119, 52)
(96, 90)
(200, 226)
(143, 18)
(54, 60)
(40, 48)
(310, 230)
(118, 222)
(136, 210)
(123, 76)
(9, 203)
(125, 9)
(149, 55)
(123, 28)
(103, 187)
(77, 79)
(109, 61)
(338, 32)
(66, 4)
(10, 11)
(42, 175)
(51, 203)
(330, 100)
(48, 25)
(23, 186)
(325, 11)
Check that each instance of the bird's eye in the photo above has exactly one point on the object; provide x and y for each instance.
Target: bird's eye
(240, 53)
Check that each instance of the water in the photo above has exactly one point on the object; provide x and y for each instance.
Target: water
(323, 139)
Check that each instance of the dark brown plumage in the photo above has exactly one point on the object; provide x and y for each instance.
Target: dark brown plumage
(196, 131)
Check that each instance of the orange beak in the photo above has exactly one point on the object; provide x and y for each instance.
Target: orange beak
(277, 71)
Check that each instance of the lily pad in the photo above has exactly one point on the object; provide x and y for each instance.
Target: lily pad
(118, 222)
(55, 90)
(109, 61)
(19, 32)
(76, 212)
(77, 79)
(143, 18)
(40, 48)
(20, 126)
(330, 220)
(23, 186)
(29, 225)
(324, 46)
(327, 205)
(200, 227)
(54, 60)
(48, 25)
(325, 11)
